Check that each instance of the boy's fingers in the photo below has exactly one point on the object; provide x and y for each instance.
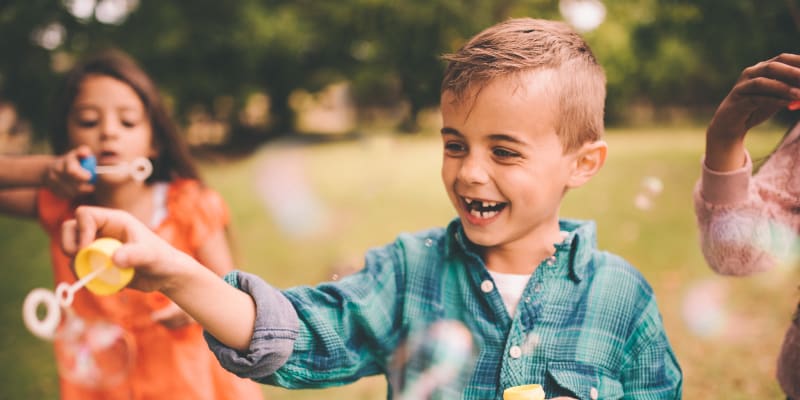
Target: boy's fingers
(86, 225)
(69, 242)
(134, 254)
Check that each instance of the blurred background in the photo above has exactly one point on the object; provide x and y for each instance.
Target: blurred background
(318, 123)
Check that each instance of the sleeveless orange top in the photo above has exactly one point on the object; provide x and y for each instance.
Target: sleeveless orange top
(169, 364)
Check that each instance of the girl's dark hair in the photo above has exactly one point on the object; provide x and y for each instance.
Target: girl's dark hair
(173, 160)
(793, 117)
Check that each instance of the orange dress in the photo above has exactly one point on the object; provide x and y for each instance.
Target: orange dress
(169, 364)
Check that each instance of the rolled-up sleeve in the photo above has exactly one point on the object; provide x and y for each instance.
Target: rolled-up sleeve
(274, 334)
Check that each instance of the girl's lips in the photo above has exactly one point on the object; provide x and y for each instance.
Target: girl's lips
(108, 158)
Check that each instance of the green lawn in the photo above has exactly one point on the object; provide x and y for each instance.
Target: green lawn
(367, 191)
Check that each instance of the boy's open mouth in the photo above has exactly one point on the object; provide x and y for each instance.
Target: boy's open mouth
(483, 209)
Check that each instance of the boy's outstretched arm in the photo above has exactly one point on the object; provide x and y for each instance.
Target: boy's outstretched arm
(224, 311)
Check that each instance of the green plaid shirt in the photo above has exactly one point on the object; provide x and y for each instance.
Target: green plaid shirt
(587, 325)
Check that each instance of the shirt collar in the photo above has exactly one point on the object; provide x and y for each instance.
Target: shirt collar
(579, 243)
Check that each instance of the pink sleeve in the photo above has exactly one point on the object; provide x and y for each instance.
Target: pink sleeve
(741, 227)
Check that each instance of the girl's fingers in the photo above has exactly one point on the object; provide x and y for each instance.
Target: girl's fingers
(788, 58)
(773, 74)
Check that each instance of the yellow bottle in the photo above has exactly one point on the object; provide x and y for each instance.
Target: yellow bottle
(524, 392)
(96, 259)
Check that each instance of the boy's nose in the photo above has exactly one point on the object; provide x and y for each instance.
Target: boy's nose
(473, 171)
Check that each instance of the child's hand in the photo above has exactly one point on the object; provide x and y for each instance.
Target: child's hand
(760, 92)
(157, 263)
(66, 178)
(172, 317)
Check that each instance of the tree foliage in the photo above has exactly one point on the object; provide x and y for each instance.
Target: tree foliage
(666, 52)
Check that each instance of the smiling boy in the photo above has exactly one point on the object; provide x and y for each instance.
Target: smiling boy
(522, 107)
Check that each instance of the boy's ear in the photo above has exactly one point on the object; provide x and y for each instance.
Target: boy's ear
(589, 158)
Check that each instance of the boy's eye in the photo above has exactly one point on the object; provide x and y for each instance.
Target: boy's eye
(454, 148)
(504, 153)
(128, 124)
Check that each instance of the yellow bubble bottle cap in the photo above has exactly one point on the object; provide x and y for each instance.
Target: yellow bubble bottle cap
(95, 259)
(524, 392)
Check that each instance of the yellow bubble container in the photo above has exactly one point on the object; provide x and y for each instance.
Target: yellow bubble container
(524, 392)
(98, 256)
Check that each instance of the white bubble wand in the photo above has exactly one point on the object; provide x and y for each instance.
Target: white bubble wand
(139, 168)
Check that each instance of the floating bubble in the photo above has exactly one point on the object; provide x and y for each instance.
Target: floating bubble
(704, 308)
(287, 193)
(652, 185)
(643, 202)
(584, 15)
(94, 355)
(433, 363)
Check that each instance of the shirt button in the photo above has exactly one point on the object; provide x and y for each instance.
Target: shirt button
(593, 393)
(487, 286)
(537, 288)
(515, 352)
(428, 242)
(551, 260)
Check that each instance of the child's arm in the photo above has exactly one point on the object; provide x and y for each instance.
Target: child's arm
(760, 92)
(225, 312)
(21, 176)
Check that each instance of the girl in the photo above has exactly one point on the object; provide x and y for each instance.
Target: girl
(111, 109)
(747, 222)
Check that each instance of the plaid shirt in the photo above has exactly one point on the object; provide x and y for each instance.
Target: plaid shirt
(587, 325)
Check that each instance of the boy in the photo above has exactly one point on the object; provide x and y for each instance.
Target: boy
(522, 106)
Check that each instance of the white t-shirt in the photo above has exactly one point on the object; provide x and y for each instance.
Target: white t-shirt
(510, 287)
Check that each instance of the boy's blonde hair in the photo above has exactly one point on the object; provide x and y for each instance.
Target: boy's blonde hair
(525, 44)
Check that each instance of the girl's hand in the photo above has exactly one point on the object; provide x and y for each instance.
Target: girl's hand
(172, 317)
(66, 178)
(760, 92)
(158, 265)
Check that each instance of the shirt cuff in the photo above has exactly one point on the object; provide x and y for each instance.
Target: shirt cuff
(723, 188)
(276, 329)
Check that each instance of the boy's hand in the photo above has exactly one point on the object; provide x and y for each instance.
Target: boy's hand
(760, 92)
(154, 259)
(66, 178)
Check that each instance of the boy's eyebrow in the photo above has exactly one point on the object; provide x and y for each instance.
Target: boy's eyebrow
(450, 131)
(495, 137)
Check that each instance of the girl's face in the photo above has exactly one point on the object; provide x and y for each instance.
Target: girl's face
(108, 116)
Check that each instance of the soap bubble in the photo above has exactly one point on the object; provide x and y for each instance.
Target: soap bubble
(584, 15)
(287, 193)
(433, 363)
(704, 309)
(94, 354)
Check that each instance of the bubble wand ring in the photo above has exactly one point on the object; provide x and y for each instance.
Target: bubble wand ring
(139, 169)
(95, 271)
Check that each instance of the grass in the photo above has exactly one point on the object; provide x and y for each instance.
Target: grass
(368, 191)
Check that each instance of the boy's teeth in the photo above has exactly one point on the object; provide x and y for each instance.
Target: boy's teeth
(468, 200)
(483, 214)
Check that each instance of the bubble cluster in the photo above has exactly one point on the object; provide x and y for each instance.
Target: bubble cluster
(649, 189)
(94, 355)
